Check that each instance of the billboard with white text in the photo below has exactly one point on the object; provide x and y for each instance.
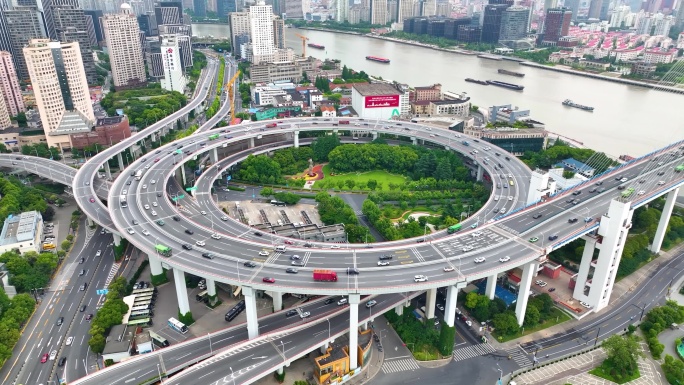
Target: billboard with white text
(381, 101)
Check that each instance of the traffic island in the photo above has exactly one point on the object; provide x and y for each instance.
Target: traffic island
(159, 279)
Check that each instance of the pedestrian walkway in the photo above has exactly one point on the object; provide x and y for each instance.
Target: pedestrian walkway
(403, 365)
(519, 356)
(473, 351)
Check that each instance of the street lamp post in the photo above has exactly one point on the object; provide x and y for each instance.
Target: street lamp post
(159, 372)
(328, 329)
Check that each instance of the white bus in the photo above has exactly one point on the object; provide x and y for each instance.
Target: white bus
(177, 325)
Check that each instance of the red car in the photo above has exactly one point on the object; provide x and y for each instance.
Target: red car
(89, 317)
(156, 160)
(289, 242)
(269, 280)
(92, 200)
(44, 358)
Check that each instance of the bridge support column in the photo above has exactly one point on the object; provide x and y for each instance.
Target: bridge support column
(354, 300)
(399, 309)
(430, 303)
(524, 293)
(414, 140)
(211, 290)
(108, 171)
(281, 370)
(296, 139)
(585, 265)
(117, 239)
(364, 326)
(181, 291)
(181, 171)
(451, 299)
(324, 347)
(89, 221)
(277, 300)
(491, 287)
(375, 134)
(251, 311)
(155, 265)
(119, 159)
(664, 220)
(213, 155)
(250, 144)
(480, 173)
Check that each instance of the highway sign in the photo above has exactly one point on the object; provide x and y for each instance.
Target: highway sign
(102, 291)
(178, 197)
(190, 188)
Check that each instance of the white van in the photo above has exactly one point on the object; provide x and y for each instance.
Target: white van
(280, 248)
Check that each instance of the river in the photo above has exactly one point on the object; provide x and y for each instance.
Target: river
(626, 120)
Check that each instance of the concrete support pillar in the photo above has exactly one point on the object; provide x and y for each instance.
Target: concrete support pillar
(277, 300)
(251, 143)
(117, 239)
(108, 171)
(354, 300)
(296, 139)
(180, 173)
(664, 220)
(89, 221)
(375, 134)
(155, 265)
(414, 140)
(450, 308)
(399, 309)
(524, 292)
(251, 311)
(364, 326)
(213, 155)
(181, 291)
(585, 265)
(430, 303)
(324, 347)
(491, 286)
(480, 173)
(119, 158)
(211, 287)
(281, 370)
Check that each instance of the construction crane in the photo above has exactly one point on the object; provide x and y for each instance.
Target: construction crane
(304, 39)
(231, 85)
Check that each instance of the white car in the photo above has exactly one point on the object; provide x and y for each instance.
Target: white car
(420, 278)
(448, 269)
(440, 306)
(144, 186)
(641, 192)
(153, 181)
(98, 253)
(224, 218)
(542, 284)
(383, 263)
(502, 211)
(660, 183)
(69, 341)
(510, 198)
(467, 248)
(496, 199)
(263, 253)
(623, 180)
(476, 234)
(371, 303)
(147, 207)
(155, 204)
(304, 314)
(154, 213)
(479, 259)
(53, 355)
(215, 236)
(124, 192)
(147, 167)
(203, 212)
(335, 246)
(584, 304)
(131, 231)
(469, 323)
(504, 259)
(510, 175)
(145, 232)
(200, 243)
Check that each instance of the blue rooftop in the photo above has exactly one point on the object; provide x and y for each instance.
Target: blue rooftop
(499, 292)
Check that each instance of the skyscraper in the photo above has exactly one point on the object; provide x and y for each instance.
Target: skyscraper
(48, 16)
(514, 23)
(491, 24)
(169, 12)
(200, 8)
(60, 88)
(573, 6)
(279, 32)
(23, 24)
(9, 85)
(595, 9)
(69, 24)
(378, 12)
(342, 11)
(93, 20)
(224, 7)
(261, 29)
(239, 26)
(125, 51)
(556, 25)
(173, 79)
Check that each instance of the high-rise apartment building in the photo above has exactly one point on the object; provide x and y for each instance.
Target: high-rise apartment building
(279, 32)
(514, 22)
(173, 66)
(9, 85)
(48, 16)
(261, 29)
(69, 23)
(94, 24)
(294, 9)
(5, 120)
(23, 24)
(169, 12)
(573, 6)
(491, 23)
(60, 88)
(429, 8)
(239, 26)
(122, 35)
(406, 10)
(663, 24)
(378, 12)
(556, 25)
(200, 8)
(342, 11)
(595, 9)
(148, 24)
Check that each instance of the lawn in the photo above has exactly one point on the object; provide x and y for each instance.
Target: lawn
(380, 176)
(557, 317)
(603, 372)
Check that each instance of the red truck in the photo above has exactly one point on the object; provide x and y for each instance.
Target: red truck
(344, 122)
(325, 275)
(271, 125)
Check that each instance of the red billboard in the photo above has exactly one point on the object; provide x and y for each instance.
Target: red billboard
(381, 101)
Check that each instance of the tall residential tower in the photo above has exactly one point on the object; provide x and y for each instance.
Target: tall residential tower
(122, 35)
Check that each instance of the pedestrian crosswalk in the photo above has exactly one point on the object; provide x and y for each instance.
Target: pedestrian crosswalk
(403, 365)
(473, 351)
(519, 356)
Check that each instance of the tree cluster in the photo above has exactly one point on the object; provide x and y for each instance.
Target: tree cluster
(41, 150)
(111, 313)
(323, 84)
(323, 145)
(560, 150)
(539, 309)
(293, 160)
(418, 336)
(658, 319)
(351, 76)
(622, 353)
(285, 197)
(144, 106)
(17, 198)
(30, 270)
(674, 370)
(385, 226)
(260, 169)
(334, 210)
(13, 315)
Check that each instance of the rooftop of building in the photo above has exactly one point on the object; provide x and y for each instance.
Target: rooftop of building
(334, 354)
(110, 120)
(20, 228)
(576, 164)
(117, 340)
(371, 89)
(428, 88)
(449, 101)
(328, 108)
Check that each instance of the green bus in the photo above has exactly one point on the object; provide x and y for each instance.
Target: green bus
(680, 168)
(627, 193)
(142, 322)
(163, 250)
(454, 228)
(213, 137)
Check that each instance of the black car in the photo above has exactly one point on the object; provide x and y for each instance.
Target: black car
(352, 271)
(208, 255)
(258, 233)
(599, 183)
(329, 301)
(572, 220)
(176, 218)
(187, 246)
(249, 264)
(291, 313)
(159, 194)
(385, 257)
(578, 192)
(188, 231)
(308, 245)
(621, 187)
(536, 216)
(553, 237)
(291, 270)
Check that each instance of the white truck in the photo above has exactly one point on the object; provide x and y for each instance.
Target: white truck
(138, 174)
(122, 199)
